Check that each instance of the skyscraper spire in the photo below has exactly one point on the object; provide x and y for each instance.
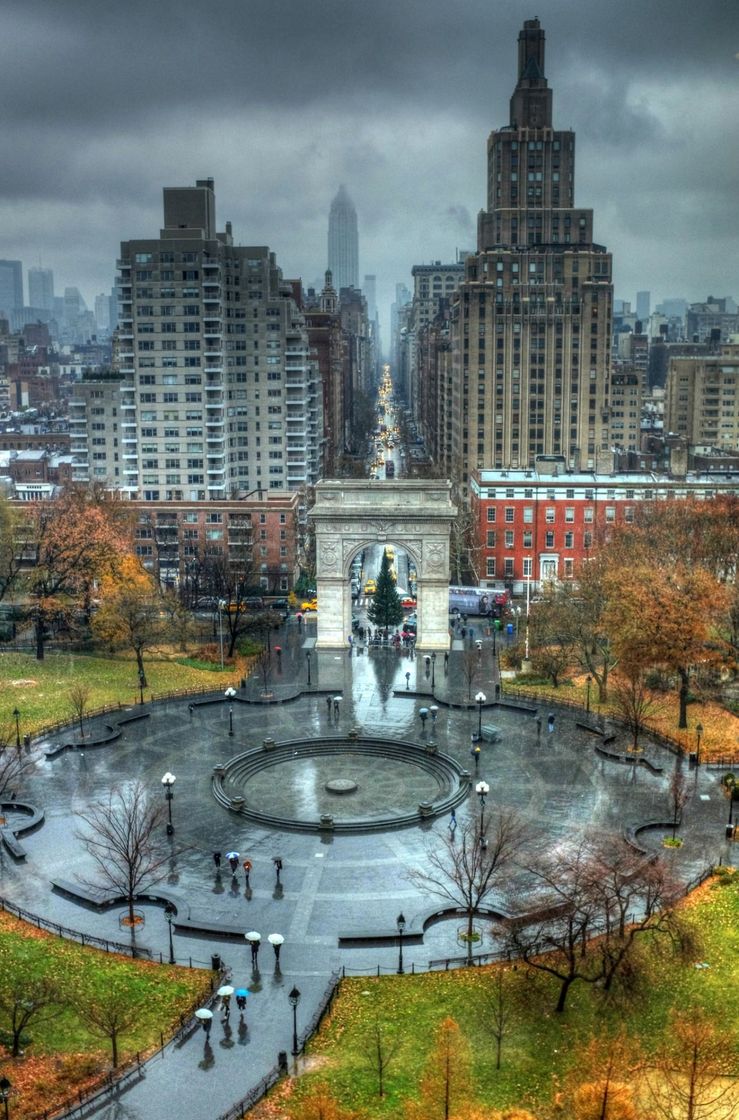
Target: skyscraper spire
(531, 103)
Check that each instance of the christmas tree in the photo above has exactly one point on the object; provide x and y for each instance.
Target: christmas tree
(385, 610)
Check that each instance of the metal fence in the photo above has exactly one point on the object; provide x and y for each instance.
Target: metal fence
(238, 1110)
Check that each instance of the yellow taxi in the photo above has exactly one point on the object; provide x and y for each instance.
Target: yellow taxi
(370, 587)
(309, 605)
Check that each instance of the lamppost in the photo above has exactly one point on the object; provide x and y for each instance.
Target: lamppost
(400, 923)
(229, 694)
(17, 718)
(495, 635)
(588, 682)
(407, 682)
(168, 781)
(307, 659)
(5, 1087)
(698, 733)
(482, 789)
(480, 697)
(433, 668)
(142, 681)
(221, 609)
(517, 612)
(294, 998)
(169, 913)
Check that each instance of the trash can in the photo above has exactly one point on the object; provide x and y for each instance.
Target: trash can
(509, 628)
(215, 962)
(692, 760)
(282, 1061)
(730, 832)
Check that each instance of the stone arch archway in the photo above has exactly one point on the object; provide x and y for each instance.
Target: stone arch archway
(414, 513)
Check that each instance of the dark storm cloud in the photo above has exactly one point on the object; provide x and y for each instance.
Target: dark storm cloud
(105, 103)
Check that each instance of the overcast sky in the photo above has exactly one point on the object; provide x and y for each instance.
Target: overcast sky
(106, 102)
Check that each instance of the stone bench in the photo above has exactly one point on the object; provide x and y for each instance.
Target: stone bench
(15, 848)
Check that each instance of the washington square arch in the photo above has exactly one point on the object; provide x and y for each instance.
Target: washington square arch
(414, 514)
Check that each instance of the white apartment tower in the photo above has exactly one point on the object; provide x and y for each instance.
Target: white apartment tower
(219, 396)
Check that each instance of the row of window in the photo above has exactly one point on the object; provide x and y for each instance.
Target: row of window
(527, 539)
(550, 514)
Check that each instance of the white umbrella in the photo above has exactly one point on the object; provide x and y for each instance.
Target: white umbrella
(252, 935)
(275, 938)
(225, 990)
(203, 1014)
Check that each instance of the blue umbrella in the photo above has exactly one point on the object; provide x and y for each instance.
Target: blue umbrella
(242, 993)
(232, 855)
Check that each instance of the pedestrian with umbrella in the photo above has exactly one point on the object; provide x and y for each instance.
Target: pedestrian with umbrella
(233, 860)
(225, 992)
(255, 940)
(241, 994)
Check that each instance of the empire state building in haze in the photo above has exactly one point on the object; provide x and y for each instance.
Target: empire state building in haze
(343, 242)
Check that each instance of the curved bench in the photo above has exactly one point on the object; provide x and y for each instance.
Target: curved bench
(9, 836)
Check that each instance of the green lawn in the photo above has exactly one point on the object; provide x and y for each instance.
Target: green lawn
(542, 1046)
(40, 689)
(63, 1052)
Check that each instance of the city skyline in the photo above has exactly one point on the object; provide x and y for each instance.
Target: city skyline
(321, 98)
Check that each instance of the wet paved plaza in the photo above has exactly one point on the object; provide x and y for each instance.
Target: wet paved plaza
(330, 883)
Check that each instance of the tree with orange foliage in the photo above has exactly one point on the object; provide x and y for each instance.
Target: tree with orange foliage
(694, 1077)
(659, 615)
(73, 542)
(131, 613)
(319, 1104)
(445, 1085)
(598, 1085)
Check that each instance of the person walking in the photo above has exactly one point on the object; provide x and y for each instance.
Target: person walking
(452, 822)
(217, 860)
(328, 706)
(247, 865)
(233, 861)
(226, 1006)
(550, 723)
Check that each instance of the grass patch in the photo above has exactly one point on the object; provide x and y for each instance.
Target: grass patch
(40, 689)
(206, 666)
(719, 739)
(62, 1055)
(542, 1048)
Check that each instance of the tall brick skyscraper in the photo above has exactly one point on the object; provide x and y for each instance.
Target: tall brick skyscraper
(531, 331)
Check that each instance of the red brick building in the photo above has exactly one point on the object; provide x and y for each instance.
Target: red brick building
(535, 525)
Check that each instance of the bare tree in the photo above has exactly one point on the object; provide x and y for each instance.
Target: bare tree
(695, 1075)
(470, 669)
(501, 1010)
(110, 1012)
(678, 794)
(632, 699)
(25, 996)
(556, 943)
(124, 843)
(79, 699)
(467, 870)
(379, 1052)
(13, 764)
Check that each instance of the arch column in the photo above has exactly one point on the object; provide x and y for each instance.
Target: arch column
(349, 514)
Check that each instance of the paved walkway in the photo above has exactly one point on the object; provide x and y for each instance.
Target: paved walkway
(330, 884)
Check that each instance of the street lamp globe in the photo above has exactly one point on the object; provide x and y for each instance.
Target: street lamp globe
(482, 789)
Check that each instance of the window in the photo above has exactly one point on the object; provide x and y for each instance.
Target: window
(549, 540)
(509, 515)
(491, 538)
(569, 514)
(568, 568)
(610, 513)
(508, 567)
(587, 540)
(588, 514)
(549, 515)
(528, 515)
(528, 539)
(491, 513)
(527, 567)
(569, 540)
(509, 538)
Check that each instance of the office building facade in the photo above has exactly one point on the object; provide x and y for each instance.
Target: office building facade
(531, 329)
